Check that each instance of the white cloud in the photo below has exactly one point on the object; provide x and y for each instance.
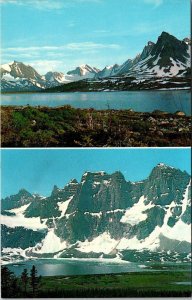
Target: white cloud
(154, 2)
(71, 46)
(61, 58)
(91, 46)
(40, 4)
(48, 4)
(44, 66)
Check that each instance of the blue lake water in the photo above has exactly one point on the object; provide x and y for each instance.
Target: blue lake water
(54, 267)
(184, 283)
(142, 101)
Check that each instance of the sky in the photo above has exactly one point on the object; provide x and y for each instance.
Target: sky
(38, 170)
(60, 35)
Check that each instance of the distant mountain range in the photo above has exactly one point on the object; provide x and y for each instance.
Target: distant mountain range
(169, 57)
(102, 216)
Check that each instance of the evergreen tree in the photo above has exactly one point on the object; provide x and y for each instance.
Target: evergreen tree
(14, 288)
(5, 278)
(24, 279)
(9, 286)
(34, 279)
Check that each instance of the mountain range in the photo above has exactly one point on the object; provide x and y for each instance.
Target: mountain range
(102, 216)
(168, 57)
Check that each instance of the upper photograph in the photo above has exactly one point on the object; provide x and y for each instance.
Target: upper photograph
(95, 73)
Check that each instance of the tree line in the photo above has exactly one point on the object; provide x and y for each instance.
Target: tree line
(31, 286)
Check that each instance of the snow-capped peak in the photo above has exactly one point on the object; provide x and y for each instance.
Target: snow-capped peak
(109, 67)
(7, 67)
(83, 71)
(162, 165)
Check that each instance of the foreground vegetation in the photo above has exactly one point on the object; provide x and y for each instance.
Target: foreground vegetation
(144, 284)
(26, 126)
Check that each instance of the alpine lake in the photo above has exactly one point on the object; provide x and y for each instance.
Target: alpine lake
(75, 266)
(107, 278)
(139, 101)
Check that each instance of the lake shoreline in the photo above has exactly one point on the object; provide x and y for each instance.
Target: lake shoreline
(97, 91)
(140, 101)
(100, 260)
(135, 284)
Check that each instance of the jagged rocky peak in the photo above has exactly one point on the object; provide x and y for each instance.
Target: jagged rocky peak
(118, 175)
(71, 187)
(162, 169)
(19, 69)
(21, 198)
(161, 185)
(73, 181)
(187, 41)
(54, 75)
(146, 51)
(162, 165)
(94, 177)
(103, 211)
(108, 71)
(167, 36)
(55, 190)
(83, 70)
(21, 194)
(168, 47)
(24, 193)
(150, 43)
(89, 174)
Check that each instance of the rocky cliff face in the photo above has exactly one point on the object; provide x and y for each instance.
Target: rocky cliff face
(167, 58)
(102, 215)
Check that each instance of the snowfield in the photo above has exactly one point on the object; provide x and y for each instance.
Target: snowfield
(20, 220)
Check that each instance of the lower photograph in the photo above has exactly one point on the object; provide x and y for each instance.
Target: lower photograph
(96, 223)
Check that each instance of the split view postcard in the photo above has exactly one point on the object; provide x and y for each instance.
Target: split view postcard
(95, 149)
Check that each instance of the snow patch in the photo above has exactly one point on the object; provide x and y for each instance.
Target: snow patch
(102, 243)
(19, 210)
(151, 242)
(20, 221)
(7, 67)
(63, 206)
(136, 213)
(180, 231)
(94, 214)
(52, 243)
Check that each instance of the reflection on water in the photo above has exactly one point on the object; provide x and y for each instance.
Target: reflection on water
(183, 283)
(143, 101)
(53, 267)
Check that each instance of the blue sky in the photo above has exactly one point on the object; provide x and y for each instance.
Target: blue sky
(62, 34)
(38, 170)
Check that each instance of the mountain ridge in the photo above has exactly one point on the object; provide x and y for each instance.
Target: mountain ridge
(167, 58)
(111, 213)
